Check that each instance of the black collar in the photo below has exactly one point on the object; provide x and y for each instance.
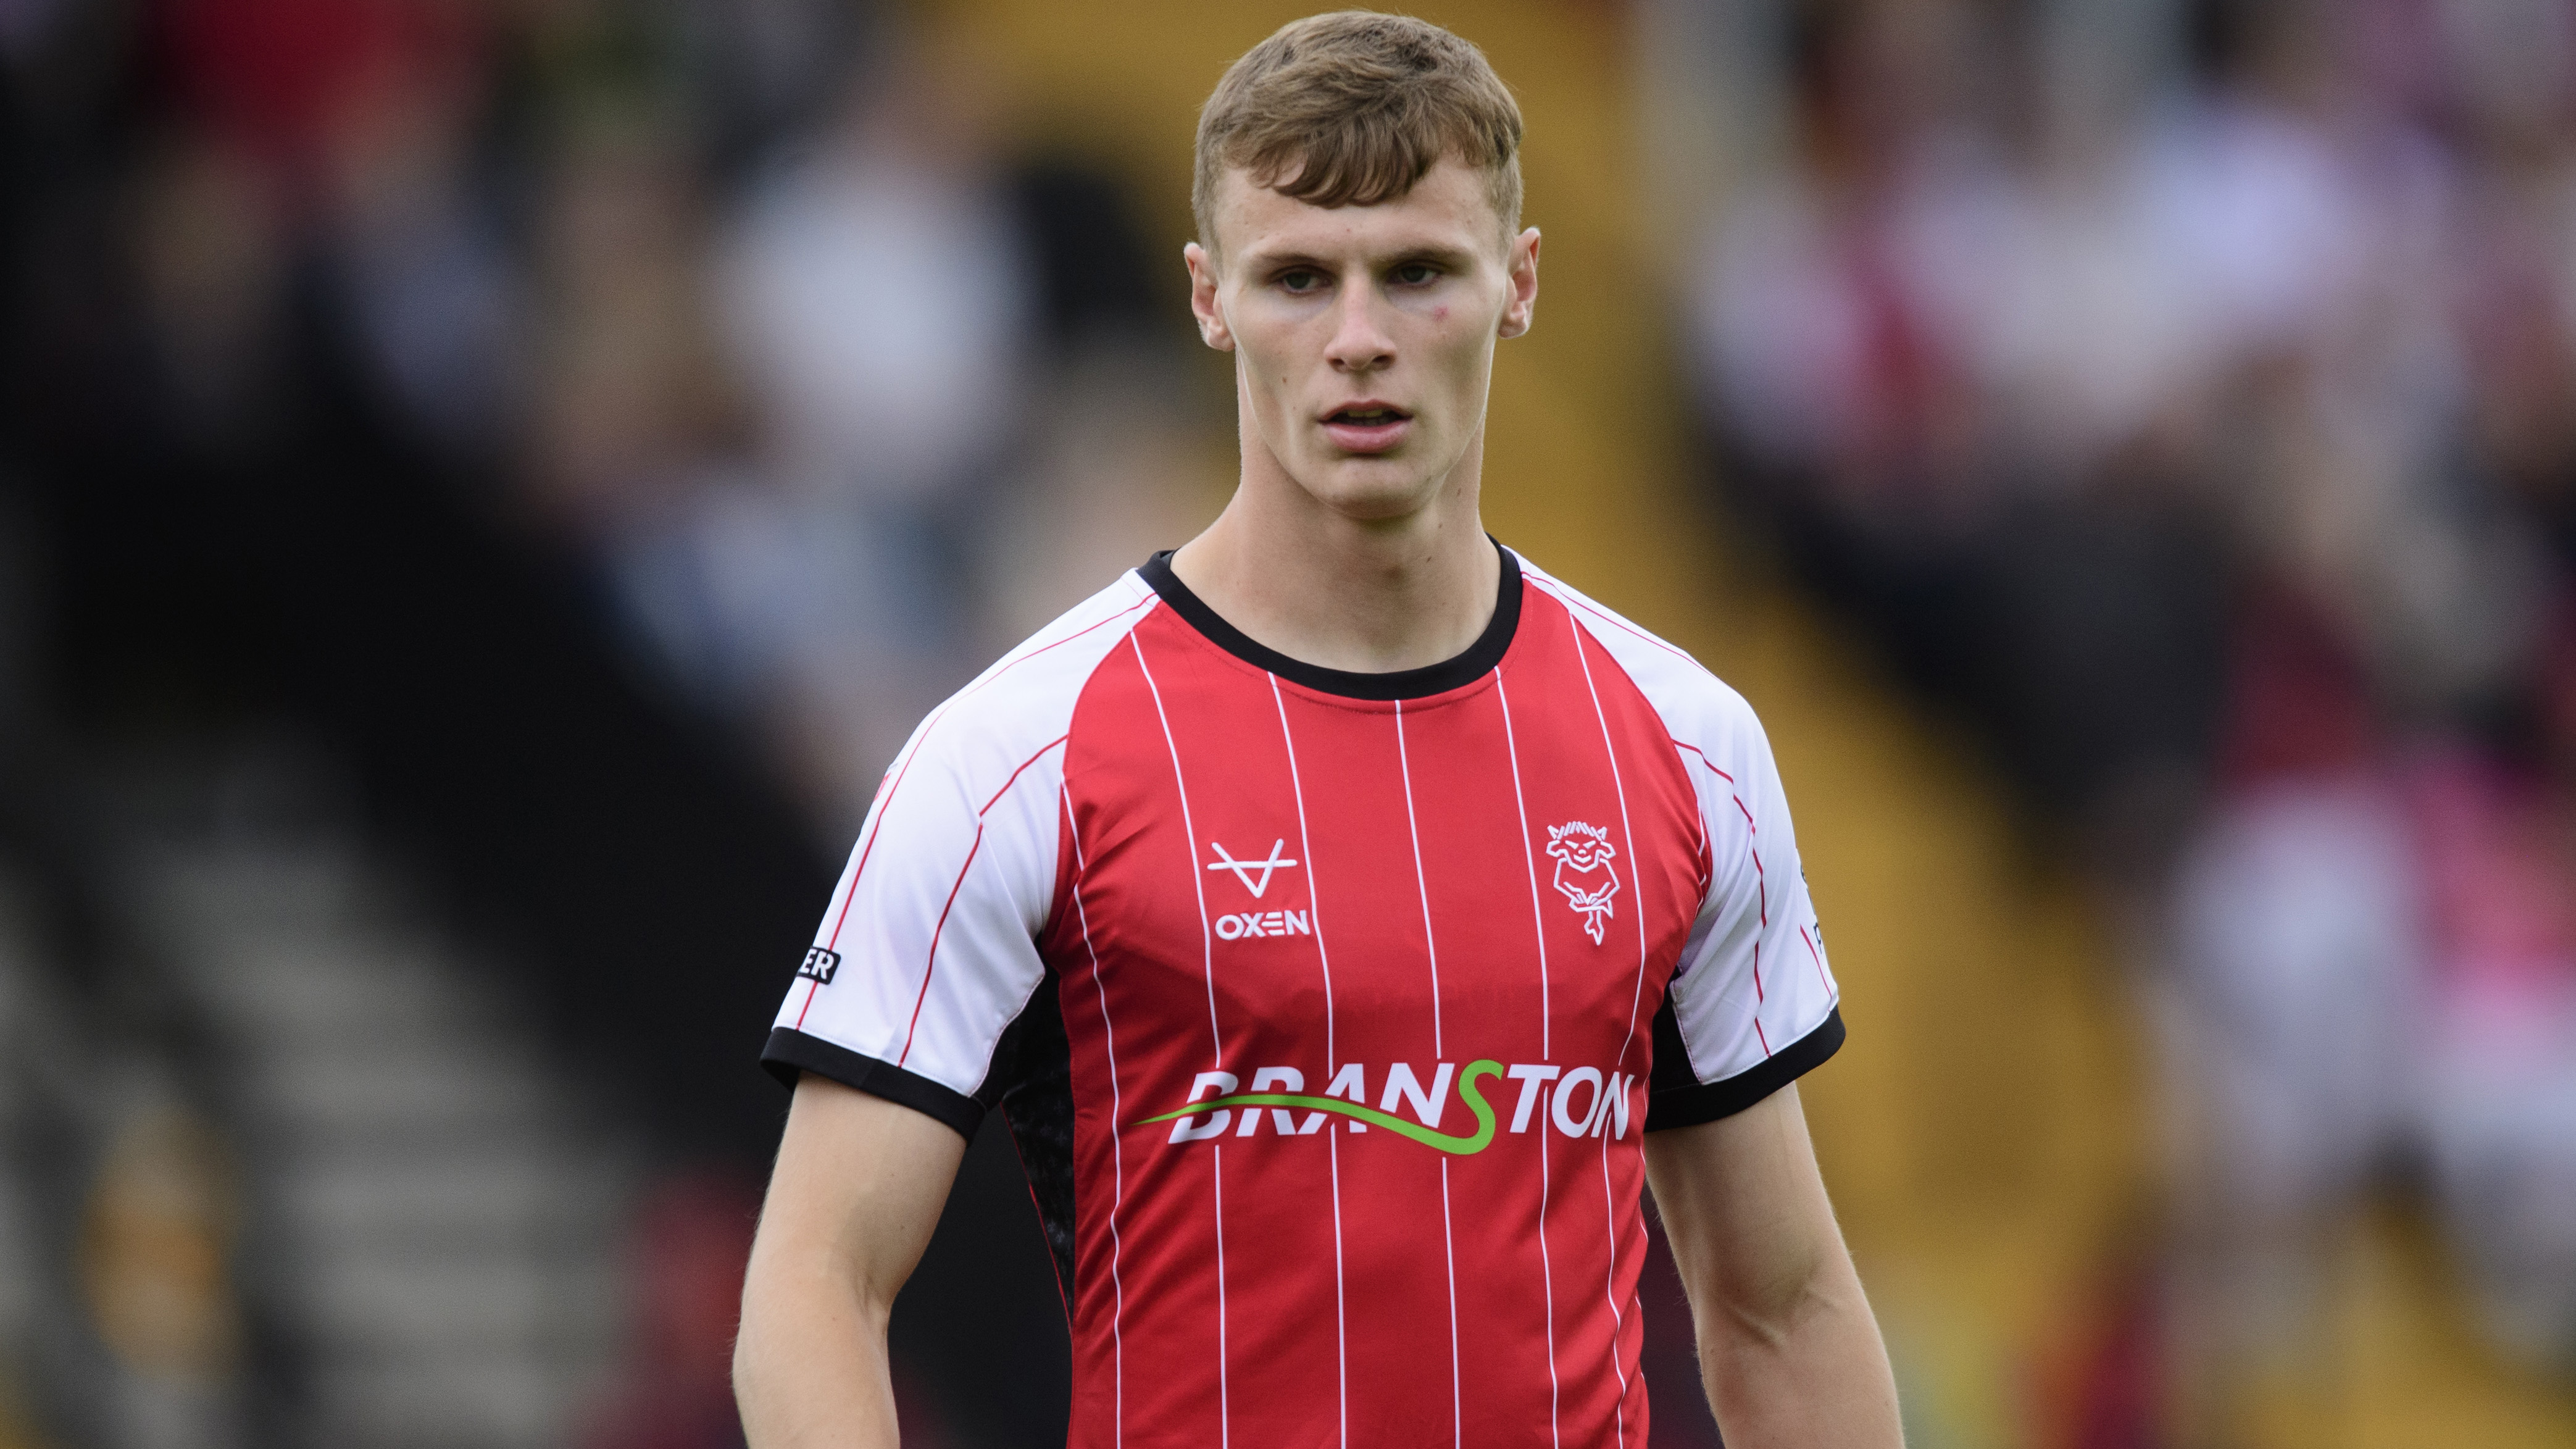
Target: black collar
(1460, 669)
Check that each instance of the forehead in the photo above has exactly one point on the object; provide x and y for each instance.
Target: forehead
(1447, 210)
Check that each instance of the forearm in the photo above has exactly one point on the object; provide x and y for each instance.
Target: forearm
(810, 1368)
(1813, 1373)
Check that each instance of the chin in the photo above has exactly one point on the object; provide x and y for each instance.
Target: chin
(1371, 489)
(1373, 501)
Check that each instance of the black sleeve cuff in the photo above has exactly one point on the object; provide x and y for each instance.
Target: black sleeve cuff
(1707, 1101)
(791, 1051)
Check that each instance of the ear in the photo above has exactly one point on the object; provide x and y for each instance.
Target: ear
(1522, 269)
(1203, 303)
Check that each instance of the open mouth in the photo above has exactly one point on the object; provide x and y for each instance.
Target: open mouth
(1370, 417)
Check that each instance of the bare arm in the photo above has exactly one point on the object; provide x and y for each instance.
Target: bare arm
(857, 1190)
(1787, 1348)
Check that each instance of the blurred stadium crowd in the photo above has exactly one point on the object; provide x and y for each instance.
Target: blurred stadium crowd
(486, 485)
(2184, 396)
(489, 485)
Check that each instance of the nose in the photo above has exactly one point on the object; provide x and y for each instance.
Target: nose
(1359, 343)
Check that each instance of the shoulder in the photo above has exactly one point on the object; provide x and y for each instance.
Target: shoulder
(1702, 712)
(1023, 703)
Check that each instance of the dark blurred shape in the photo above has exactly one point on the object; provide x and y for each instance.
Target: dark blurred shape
(2104, 1385)
(689, 1244)
(1092, 263)
(982, 1323)
(282, 76)
(2299, 699)
(647, 868)
(1670, 1358)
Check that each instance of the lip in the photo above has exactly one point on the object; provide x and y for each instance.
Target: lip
(1367, 438)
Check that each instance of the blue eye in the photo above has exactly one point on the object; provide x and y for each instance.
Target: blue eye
(1300, 281)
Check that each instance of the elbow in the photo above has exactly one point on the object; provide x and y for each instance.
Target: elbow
(1772, 1324)
(1768, 1311)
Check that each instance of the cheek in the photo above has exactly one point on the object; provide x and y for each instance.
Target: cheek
(1461, 359)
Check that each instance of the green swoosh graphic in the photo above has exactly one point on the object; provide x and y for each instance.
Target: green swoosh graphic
(1446, 1142)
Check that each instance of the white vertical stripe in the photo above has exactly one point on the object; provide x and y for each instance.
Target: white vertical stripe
(1341, 1332)
(1610, 1287)
(1636, 887)
(1628, 837)
(1429, 946)
(1207, 936)
(1314, 891)
(1449, 1247)
(1538, 920)
(1117, 1163)
(1538, 927)
(1224, 1415)
(1207, 956)
(1315, 909)
(1547, 1277)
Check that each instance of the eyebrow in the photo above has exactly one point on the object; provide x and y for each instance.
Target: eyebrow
(1443, 253)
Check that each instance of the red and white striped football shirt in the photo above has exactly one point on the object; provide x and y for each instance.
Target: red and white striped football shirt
(1329, 1010)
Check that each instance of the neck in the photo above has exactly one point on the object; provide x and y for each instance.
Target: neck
(1368, 595)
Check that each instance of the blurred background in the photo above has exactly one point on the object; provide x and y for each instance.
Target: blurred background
(486, 485)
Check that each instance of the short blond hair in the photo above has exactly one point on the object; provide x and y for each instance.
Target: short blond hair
(1351, 109)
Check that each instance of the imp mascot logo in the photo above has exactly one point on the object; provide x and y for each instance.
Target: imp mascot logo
(1580, 851)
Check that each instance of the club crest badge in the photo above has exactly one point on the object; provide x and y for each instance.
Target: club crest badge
(1583, 875)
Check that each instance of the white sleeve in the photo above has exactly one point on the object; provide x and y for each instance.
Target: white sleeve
(927, 954)
(1753, 1004)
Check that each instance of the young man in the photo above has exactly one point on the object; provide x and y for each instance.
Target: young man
(1349, 918)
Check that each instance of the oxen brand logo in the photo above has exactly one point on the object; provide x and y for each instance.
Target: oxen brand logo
(819, 965)
(1243, 869)
(1581, 851)
(1258, 923)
